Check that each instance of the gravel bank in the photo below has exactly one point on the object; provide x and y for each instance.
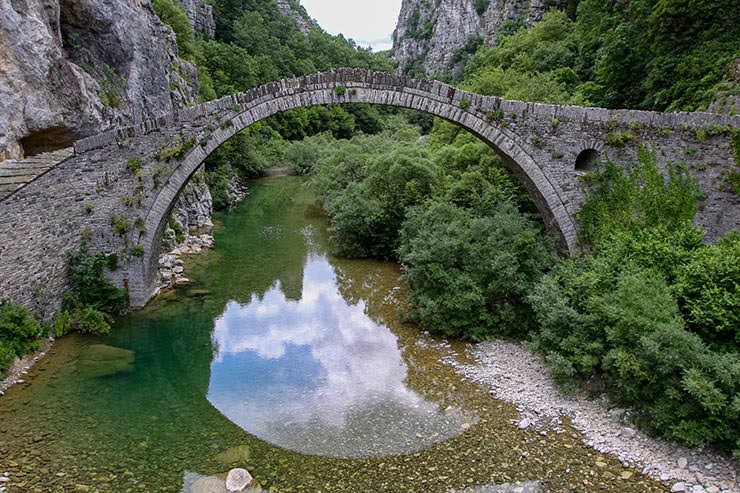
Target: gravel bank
(22, 365)
(521, 377)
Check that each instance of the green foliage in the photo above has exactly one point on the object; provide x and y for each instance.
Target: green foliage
(470, 269)
(650, 314)
(661, 55)
(120, 224)
(85, 272)
(731, 178)
(481, 6)
(620, 139)
(137, 251)
(636, 199)
(134, 165)
(707, 290)
(340, 90)
(19, 332)
(464, 104)
(177, 150)
(172, 14)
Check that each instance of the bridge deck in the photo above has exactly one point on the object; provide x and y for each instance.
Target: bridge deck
(14, 174)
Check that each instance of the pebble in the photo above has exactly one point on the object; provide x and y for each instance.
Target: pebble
(516, 375)
(678, 487)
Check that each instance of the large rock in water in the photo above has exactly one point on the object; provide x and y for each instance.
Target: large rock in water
(72, 68)
(100, 360)
(238, 479)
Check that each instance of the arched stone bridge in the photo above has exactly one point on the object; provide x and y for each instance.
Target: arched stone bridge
(118, 188)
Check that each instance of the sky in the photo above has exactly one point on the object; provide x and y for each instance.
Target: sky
(368, 22)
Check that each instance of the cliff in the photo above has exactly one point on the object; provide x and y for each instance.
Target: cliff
(72, 68)
(433, 37)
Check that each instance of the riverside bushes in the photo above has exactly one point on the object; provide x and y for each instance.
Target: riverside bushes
(649, 314)
(87, 308)
(19, 334)
(451, 215)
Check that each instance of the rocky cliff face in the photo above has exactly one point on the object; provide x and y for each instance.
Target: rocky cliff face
(200, 15)
(295, 11)
(71, 68)
(433, 36)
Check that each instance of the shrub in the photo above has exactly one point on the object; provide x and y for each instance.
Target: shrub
(637, 198)
(340, 90)
(85, 272)
(120, 223)
(464, 104)
(469, 273)
(134, 165)
(481, 6)
(19, 328)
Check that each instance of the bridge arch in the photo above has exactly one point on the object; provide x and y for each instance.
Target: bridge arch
(467, 110)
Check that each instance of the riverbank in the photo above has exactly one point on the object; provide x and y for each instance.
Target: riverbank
(521, 377)
(23, 365)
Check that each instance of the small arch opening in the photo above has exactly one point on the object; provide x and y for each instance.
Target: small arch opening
(586, 160)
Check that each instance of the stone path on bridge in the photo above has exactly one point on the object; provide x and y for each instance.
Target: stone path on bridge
(14, 174)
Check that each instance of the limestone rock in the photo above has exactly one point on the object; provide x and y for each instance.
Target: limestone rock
(299, 15)
(200, 15)
(428, 33)
(238, 479)
(72, 68)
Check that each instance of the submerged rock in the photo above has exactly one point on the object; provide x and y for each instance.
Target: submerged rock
(99, 360)
(235, 455)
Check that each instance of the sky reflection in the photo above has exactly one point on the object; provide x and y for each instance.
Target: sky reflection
(318, 376)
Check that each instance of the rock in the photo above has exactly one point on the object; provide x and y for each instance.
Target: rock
(4, 479)
(629, 432)
(625, 474)
(238, 479)
(98, 360)
(697, 489)
(182, 281)
(664, 476)
(200, 15)
(234, 455)
(524, 424)
(712, 489)
(683, 462)
(678, 487)
(47, 98)
(303, 21)
(428, 37)
(206, 484)
(178, 269)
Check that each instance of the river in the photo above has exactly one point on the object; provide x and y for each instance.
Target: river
(289, 362)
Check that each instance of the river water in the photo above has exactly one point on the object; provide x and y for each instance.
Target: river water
(287, 361)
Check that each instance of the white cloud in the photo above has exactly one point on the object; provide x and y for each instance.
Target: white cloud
(353, 401)
(369, 23)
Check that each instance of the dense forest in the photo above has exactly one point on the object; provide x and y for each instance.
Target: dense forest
(647, 313)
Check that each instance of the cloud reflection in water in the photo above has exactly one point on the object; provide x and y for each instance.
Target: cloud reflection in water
(318, 376)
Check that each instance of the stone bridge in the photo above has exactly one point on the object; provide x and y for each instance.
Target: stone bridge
(119, 187)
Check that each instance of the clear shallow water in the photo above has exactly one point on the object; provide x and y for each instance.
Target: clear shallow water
(283, 360)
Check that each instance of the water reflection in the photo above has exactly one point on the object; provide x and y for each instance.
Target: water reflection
(319, 376)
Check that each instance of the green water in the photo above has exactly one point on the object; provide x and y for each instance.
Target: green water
(286, 361)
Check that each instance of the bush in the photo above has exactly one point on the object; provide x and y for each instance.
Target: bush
(19, 329)
(637, 199)
(85, 272)
(469, 273)
(708, 291)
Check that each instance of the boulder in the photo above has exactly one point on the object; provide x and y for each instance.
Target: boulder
(238, 479)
